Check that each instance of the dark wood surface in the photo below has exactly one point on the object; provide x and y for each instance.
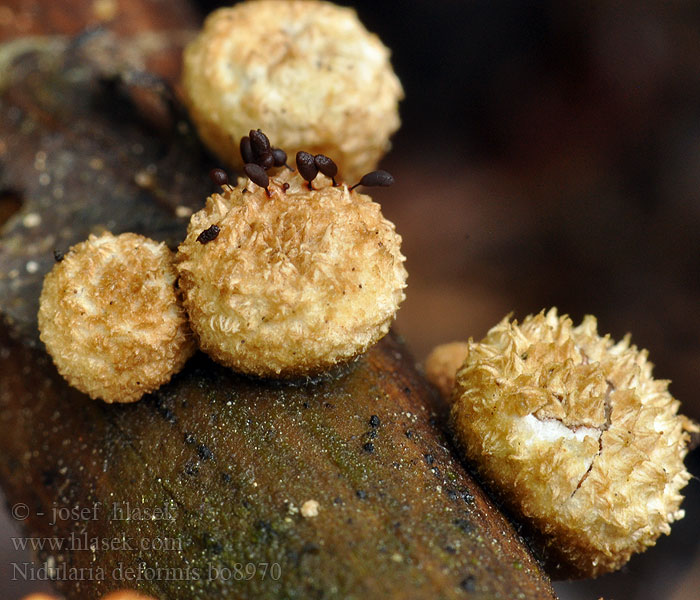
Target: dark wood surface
(93, 143)
(548, 156)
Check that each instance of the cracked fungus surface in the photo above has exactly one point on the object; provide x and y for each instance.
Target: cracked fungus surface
(576, 436)
(305, 72)
(110, 317)
(293, 283)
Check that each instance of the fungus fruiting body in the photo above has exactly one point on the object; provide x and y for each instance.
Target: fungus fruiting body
(326, 166)
(575, 435)
(305, 71)
(375, 179)
(307, 167)
(208, 235)
(442, 364)
(111, 319)
(257, 175)
(219, 177)
(297, 279)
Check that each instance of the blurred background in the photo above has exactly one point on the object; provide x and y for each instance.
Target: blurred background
(550, 156)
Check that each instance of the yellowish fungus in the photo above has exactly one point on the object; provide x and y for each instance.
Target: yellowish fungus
(442, 364)
(576, 436)
(111, 319)
(307, 72)
(295, 280)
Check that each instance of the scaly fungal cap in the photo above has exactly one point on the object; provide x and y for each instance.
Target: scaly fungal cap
(296, 281)
(576, 436)
(307, 72)
(111, 319)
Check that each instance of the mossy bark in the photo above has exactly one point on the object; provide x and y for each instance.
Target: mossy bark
(217, 465)
(225, 463)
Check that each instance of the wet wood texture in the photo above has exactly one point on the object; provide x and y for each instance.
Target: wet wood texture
(91, 141)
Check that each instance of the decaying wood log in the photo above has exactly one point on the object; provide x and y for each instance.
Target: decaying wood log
(215, 470)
